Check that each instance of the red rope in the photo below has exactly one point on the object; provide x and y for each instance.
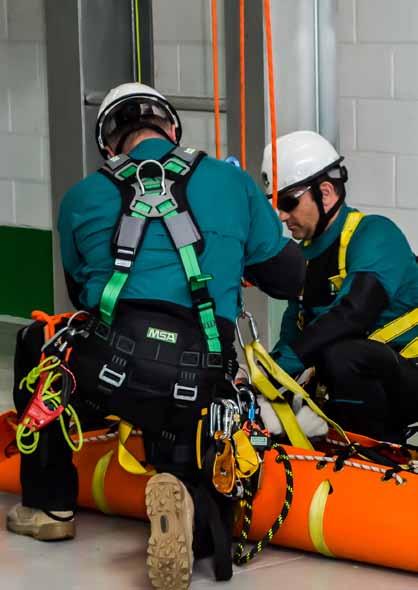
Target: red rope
(215, 61)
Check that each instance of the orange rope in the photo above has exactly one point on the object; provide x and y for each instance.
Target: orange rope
(216, 77)
(272, 101)
(242, 84)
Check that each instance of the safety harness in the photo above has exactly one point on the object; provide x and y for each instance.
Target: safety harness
(159, 194)
(396, 327)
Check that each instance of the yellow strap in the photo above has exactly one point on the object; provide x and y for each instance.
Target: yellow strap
(199, 444)
(410, 351)
(350, 226)
(396, 327)
(126, 459)
(199, 434)
(291, 426)
(98, 483)
(256, 353)
(245, 456)
(316, 518)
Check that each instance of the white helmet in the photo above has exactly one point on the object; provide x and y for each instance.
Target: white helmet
(301, 157)
(144, 102)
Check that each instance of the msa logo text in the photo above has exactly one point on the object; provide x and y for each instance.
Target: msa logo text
(157, 334)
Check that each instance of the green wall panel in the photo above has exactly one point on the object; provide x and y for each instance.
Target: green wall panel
(26, 271)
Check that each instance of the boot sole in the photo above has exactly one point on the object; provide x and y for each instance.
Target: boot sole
(44, 532)
(170, 510)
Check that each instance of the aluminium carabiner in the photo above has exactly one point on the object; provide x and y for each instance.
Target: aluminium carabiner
(253, 326)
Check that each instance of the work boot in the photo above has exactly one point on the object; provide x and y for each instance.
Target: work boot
(51, 526)
(171, 513)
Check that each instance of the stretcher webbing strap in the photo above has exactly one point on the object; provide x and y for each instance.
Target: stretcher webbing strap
(215, 65)
(316, 518)
(272, 99)
(256, 354)
(261, 382)
(126, 460)
(239, 557)
(98, 483)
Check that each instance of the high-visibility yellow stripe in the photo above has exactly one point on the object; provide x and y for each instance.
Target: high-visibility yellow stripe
(396, 327)
(350, 226)
(410, 351)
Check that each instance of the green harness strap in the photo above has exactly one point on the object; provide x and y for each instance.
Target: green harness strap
(164, 210)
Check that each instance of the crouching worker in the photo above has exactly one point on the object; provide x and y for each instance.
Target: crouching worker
(154, 246)
(357, 320)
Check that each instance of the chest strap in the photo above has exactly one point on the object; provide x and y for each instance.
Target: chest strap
(151, 190)
(350, 226)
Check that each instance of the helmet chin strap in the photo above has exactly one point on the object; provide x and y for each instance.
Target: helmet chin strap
(324, 217)
(138, 127)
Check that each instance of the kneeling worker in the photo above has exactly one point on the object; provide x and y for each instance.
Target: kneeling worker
(154, 246)
(357, 319)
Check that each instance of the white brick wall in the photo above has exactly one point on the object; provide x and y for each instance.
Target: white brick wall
(24, 146)
(378, 107)
(183, 62)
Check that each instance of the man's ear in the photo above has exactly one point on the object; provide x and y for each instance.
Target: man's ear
(329, 196)
(172, 133)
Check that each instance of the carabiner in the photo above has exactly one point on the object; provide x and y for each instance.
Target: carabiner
(61, 345)
(253, 327)
(139, 178)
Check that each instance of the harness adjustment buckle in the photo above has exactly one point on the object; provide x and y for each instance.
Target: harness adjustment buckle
(182, 392)
(111, 377)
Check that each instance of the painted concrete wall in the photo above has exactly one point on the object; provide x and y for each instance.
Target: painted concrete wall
(183, 62)
(378, 106)
(24, 158)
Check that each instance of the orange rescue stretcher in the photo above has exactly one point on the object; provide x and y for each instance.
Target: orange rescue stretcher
(354, 509)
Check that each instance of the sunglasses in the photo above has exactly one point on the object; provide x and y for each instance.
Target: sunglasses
(287, 202)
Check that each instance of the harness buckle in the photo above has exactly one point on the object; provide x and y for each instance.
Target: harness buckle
(188, 397)
(111, 377)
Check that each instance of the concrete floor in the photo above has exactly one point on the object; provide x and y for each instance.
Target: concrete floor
(109, 553)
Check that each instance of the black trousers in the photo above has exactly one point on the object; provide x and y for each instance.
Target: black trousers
(372, 389)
